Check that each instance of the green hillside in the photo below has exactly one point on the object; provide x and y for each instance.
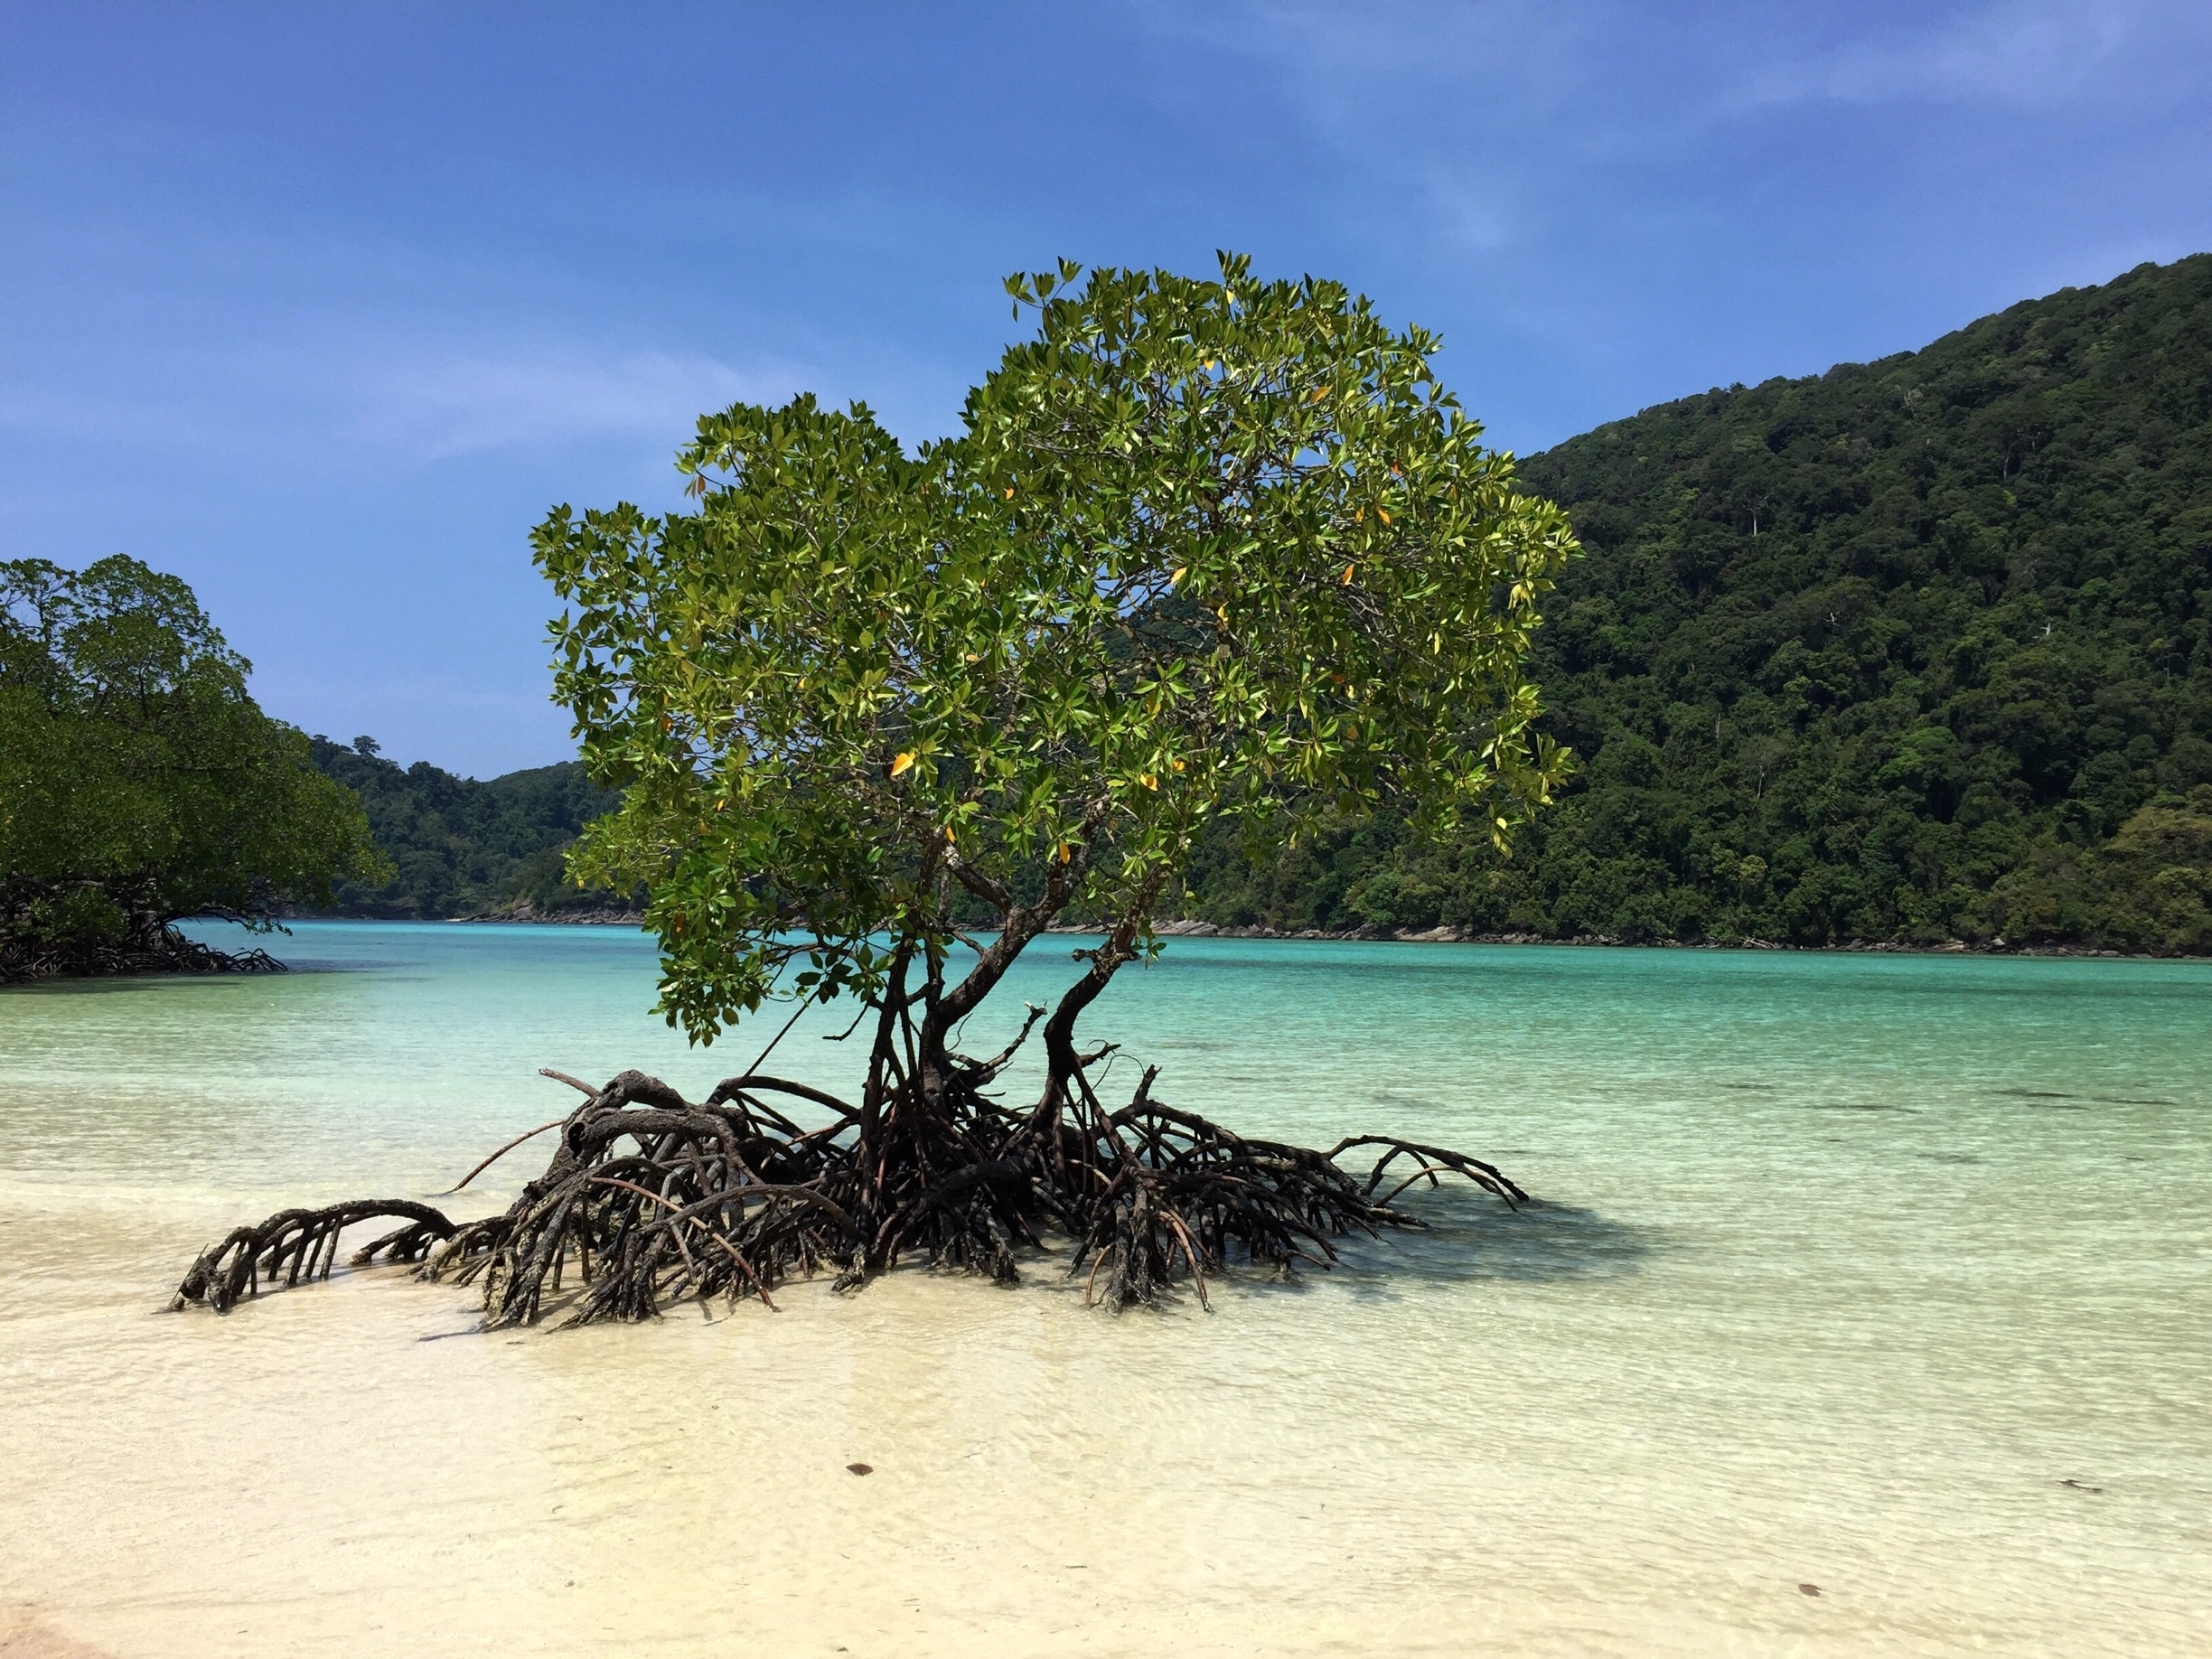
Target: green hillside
(1911, 650)
(462, 848)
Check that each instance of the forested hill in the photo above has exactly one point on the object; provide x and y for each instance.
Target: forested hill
(1914, 650)
(462, 848)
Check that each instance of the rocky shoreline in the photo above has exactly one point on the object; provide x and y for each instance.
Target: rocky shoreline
(522, 910)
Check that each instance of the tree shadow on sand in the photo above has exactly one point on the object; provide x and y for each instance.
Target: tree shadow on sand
(1470, 1238)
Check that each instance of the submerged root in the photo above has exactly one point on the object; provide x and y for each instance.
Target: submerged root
(302, 1244)
(648, 1199)
(1184, 1196)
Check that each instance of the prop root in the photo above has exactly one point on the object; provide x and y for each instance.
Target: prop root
(649, 1198)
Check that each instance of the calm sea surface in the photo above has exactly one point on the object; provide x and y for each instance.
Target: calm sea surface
(1887, 1276)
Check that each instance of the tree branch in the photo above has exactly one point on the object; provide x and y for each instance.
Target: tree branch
(1024, 922)
(1119, 947)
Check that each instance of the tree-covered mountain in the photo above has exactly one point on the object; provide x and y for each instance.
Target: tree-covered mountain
(465, 847)
(1911, 650)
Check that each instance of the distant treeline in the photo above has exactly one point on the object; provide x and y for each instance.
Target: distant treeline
(1913, 649)
(1909, 651)
(462, 847)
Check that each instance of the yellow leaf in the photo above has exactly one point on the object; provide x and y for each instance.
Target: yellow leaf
(1348, 576)
(902, 763)
(1224, 613)
(1383, 513)
(1067, 853)
(1177, 576)
(1009, 493)
(969, 656)
(1320, 392)
(948, 832)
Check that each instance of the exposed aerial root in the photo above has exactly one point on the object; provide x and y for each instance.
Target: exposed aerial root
(1184, 1196)
(25, 957)
(302, 1244)
(649, 1198)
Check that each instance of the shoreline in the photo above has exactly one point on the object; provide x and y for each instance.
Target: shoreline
(1443, 934)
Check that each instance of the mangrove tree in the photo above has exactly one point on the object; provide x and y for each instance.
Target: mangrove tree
(1204, 552)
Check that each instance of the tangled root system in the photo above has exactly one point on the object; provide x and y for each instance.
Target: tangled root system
(649, 1198)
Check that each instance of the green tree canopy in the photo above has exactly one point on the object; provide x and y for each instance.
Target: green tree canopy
(1203, 550)
(139, 782)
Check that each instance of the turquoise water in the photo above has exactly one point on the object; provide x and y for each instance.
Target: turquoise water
(1842, 1268)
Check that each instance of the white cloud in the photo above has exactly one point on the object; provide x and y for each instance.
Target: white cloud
(411, 400)
(1366, 71)
(1475, 215)
(435, 406)
(2018, 53)
(1441, 101)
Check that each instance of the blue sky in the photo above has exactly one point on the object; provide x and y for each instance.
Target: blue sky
(322, 307)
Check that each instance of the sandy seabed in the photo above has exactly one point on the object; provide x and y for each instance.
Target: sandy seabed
(1888, 1276)
(357, 1469)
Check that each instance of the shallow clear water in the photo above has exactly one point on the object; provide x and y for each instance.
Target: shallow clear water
(1886, 1275)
